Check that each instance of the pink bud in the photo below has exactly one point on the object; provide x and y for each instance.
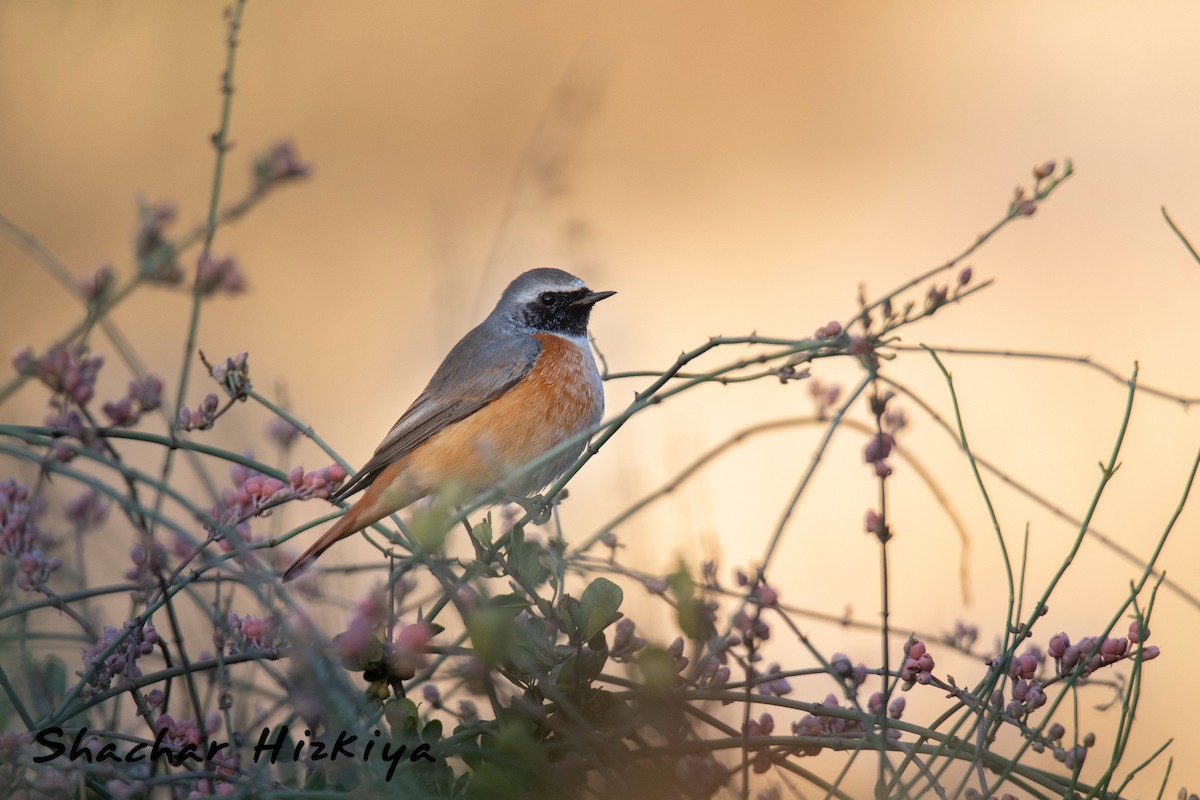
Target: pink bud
(415, 637)
(23, 359)
(1071, 656)
(766, 596)
(829, 330)
(1058, 645)
(1113, 649)
(859, 674)
(880, 447)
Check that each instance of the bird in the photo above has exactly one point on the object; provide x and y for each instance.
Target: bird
(516, 386)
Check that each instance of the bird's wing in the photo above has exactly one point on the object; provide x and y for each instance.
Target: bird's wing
(478, 370)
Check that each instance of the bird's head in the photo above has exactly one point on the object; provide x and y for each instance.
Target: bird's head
(549, 300)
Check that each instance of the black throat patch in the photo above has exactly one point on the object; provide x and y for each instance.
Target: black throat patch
(560, 316)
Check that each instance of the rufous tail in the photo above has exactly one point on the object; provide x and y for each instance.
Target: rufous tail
(347, 525)
(370, 508)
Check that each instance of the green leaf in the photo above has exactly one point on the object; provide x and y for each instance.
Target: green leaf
(432, 732)
(588, 664)
(693, 619)
(483, 530)
(460, 783)
(598, 606)
(603, 708)
(492, 633)
(477, 569)
(526, 560)
(657, 703)
(681, 583)
(402, 717)
(658, 670)
(532, 652)
(430, 526)
(569, 611)
(517, 602)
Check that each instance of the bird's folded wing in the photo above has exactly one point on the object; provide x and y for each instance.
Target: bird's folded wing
(478, 370)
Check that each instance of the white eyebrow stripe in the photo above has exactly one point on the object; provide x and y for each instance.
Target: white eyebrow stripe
(533, 292)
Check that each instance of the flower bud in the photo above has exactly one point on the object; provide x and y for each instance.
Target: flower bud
(1044, 170)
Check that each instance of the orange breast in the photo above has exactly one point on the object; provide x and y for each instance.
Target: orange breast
(559, 398)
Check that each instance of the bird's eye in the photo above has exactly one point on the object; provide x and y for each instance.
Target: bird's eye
(547, 298)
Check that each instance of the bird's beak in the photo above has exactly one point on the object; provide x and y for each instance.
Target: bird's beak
(591, 298)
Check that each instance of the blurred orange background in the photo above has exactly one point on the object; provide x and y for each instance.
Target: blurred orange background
(726, 169)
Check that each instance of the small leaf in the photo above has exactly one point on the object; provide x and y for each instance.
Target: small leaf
(681, 583)
(402, 717)
(693, 619)
(598, 606)
(658, 670)
(572, 617)
(432, 732)
(527, 562)
(430, 525)
(588, 664)
(517, 602)
(532, 652)
(657, 703)
(483, 530)
(492, 633)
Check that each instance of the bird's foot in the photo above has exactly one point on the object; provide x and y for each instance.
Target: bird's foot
(536, 507)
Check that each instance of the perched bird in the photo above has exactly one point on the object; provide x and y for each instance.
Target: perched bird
(515, 387)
